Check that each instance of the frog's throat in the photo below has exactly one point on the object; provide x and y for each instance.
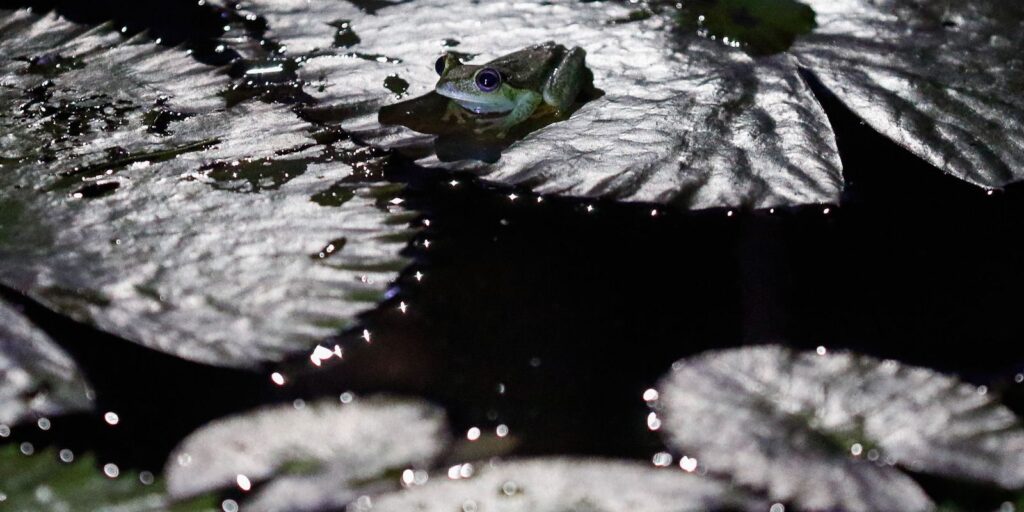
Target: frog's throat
(500, 104)
(485, 108)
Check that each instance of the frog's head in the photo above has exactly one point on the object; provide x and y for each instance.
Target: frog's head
(478, 88)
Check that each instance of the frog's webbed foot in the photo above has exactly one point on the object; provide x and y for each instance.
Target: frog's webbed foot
(455, 111)
(499, 126)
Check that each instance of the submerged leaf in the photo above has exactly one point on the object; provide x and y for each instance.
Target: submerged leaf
(833, 431)
(65, 482)
(563, 484)
(319, 454)
(37, 378)
(678, 122)
(943, 79)
(136, 201)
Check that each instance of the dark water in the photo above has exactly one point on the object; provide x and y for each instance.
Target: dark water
(575, 308)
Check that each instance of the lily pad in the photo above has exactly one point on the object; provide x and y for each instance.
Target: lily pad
(943, 79)
(555, 484)
(835, 431)
(37, 378)
(319, 455)
(66, 482)
(686, 119)
(145, 206)
(685, 123)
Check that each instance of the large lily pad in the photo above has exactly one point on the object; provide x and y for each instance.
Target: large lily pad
(37, 378)
(834, 431)
(943, 79)
(66, 482)
(319, 455)
(541, 485)
(682, 122)
(685, 119)
(136, 200)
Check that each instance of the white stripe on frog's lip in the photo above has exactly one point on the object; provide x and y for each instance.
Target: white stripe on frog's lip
(473, 103)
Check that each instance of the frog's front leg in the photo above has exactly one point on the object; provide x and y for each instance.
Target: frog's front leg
(454, 110)
(525, 104)
(566, 81)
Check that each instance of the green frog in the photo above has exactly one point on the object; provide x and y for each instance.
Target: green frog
(514, 85)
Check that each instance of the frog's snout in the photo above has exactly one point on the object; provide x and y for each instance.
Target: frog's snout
(446, 89)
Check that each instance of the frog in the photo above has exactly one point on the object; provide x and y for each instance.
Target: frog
(514, 85)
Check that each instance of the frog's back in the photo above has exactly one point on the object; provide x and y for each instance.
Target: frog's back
(529, 68)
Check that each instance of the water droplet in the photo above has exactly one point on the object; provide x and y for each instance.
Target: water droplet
(653, 422)
(662, 459)
(111, 418)
(111, 470)
(510, 488)
(243, 482)
(408, 478)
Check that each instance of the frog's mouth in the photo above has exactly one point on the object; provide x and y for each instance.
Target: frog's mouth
(473, 104)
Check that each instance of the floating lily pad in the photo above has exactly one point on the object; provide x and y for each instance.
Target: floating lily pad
(835, 431)
(534, 485)
(37, 378)
(319, 455)
(943, 79)
(686, 120)
(49, 481)
(692, 124)
(143, 205)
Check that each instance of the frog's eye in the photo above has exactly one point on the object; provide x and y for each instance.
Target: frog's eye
(439, 64)
(488, 79)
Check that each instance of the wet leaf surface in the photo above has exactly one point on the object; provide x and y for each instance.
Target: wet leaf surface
(37, 378)
(319, 455)
(685, 119)
(65, 482)
(835, 431)
(687, 123)
(140, 203)
(943, 79)
(556, 484)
